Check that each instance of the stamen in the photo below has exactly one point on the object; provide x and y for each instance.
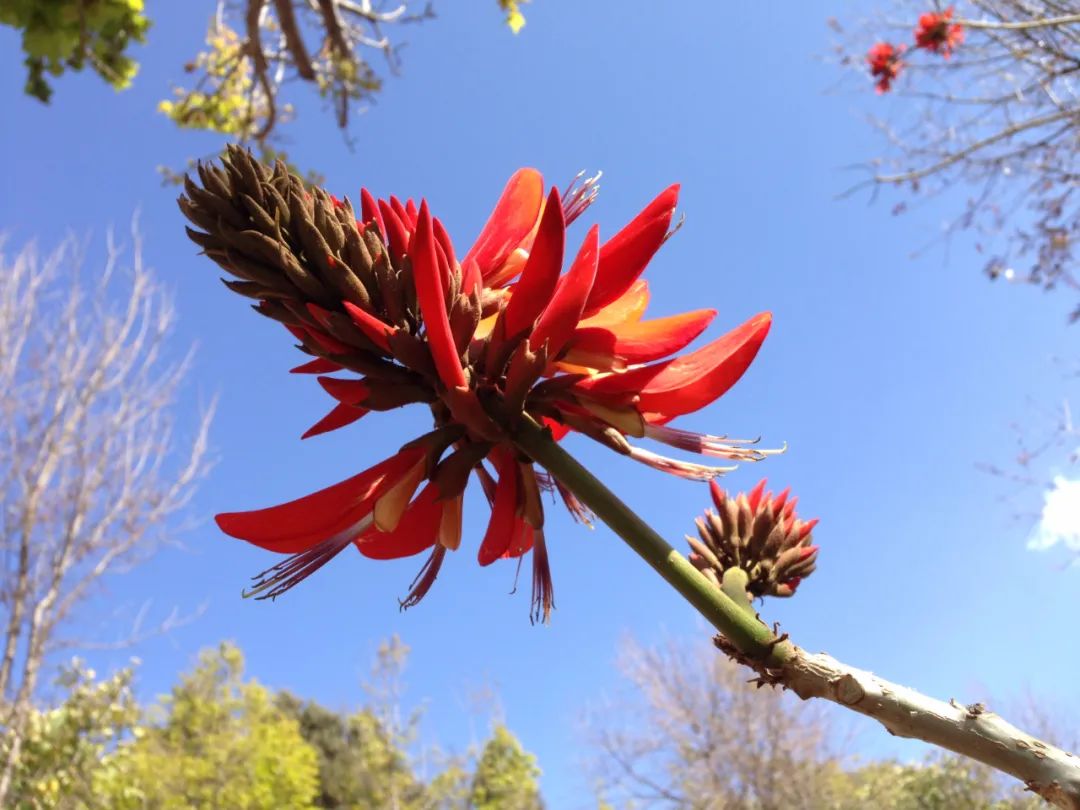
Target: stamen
(708, 445)
(578, 511)
(683, 469)
(545, 481)
(293, 570)
(425, 579)
(579, 195)
(543, 591)
(676, 229)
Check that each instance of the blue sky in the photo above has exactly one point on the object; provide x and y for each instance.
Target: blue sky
(889, 377)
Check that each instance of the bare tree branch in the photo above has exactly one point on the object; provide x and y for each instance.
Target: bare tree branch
(1002, 114)
(89, 470)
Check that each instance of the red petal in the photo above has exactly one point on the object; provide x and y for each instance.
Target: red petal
(443, 238)
(559, 320)
(348, 392)
(411, 212)
(339, 417)
(500, 530)
(403, 215)
(297, 525)
(686, 384)
(623, 257)
(521, 540)
(374, 329)
(512, 220)
(558, 429)
(369, 210)
(756, 494)
(542, 269)
(640, 341)
(328, 343)
(397, 236)
(432, 299)
(418, 529)
(616, 388)
(320, 365)
(471, 279)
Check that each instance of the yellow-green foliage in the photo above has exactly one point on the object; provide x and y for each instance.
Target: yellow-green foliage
(62, 34)
(505, 775)
(514, 18)
(223, 99)
(64, 750)
(220, 742)
(944, 782)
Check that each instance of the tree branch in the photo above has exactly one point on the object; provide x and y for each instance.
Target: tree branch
(959, 155)
(1021, 25)
(294, 39)
(973, 731)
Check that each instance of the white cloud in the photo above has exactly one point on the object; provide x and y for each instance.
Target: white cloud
(1060, 521)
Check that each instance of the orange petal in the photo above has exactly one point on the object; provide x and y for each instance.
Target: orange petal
(450, 525)
(417, 530)
(623, 257)
(392, 504)
(297, 525)
(641, 341)
(515, 215)
(691, 382)
(630, 306)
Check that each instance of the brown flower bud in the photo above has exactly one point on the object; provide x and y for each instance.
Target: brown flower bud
(759, 533)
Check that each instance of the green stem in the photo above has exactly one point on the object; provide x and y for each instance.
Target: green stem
(741, 628)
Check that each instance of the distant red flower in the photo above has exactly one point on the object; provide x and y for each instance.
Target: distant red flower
(885, 64)
(937, 33)
(487, 342)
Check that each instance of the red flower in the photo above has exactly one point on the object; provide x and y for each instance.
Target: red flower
(885, 64)
(500, 337)
(936, 33)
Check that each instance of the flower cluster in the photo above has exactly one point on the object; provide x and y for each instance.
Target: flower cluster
(885, 64)
(758, 537)
(936, 32)
(491, 342)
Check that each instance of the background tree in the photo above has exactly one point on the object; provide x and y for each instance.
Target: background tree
(65, 750)
(241, 83)
(505, 775)
(692, 732)
(375, 756)
(991, 104)
(90, 472)
(220, 741)
(65, 35)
